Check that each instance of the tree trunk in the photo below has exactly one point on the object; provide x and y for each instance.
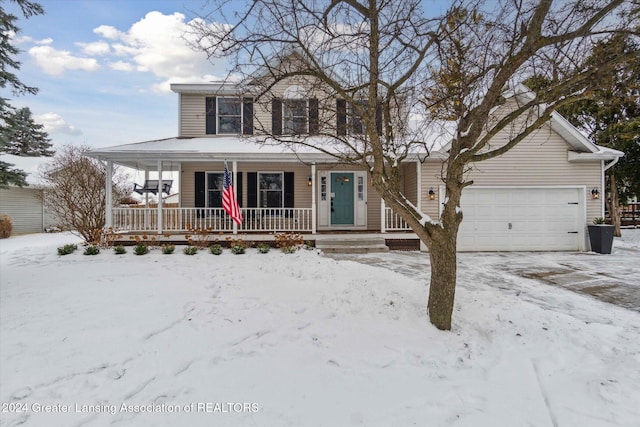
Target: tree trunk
(614, 204)
(443, 283)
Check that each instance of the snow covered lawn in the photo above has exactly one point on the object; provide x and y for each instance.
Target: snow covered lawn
(302, 340)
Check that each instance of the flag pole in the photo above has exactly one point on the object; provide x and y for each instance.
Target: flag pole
(235, 190)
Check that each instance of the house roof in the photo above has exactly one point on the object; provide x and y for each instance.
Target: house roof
(214, 148)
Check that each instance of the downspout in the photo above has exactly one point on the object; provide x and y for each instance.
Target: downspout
(605, 168)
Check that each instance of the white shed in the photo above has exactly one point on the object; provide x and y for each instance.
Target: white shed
(25, 207)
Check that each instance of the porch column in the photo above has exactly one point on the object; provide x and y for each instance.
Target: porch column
(146, 194)
(383, 218)
(109, 195)
(146, 200)
(159, 196)
(419, 184)
(313, 199)
(235, 190)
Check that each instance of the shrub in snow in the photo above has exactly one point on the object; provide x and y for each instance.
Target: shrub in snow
(119, 250)
(140, 249)
(263, 248)
(289, 242)
(67, 249)
(168, 248)
(190, 250)
(238, 247)
(92, 250)
(215, 249)
(6, 226)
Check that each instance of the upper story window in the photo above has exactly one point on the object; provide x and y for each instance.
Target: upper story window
(226, 115)
(294, 116)
(356, 126)
(296, 113)
(349, 118)
(229, 115)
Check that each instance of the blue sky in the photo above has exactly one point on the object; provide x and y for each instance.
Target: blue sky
(103, 68)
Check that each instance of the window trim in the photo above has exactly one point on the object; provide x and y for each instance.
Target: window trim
(351, 118)
(285, 131)
(239, 116)
(206, 189)
(260, 190)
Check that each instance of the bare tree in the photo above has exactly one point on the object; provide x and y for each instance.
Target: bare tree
(75, 191)
(390, 61)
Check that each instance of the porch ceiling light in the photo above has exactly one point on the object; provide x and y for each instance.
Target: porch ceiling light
(595, 194)
(309, 182)
(432, 194)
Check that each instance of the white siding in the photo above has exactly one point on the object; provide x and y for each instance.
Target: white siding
(540, 160)
(24, 206)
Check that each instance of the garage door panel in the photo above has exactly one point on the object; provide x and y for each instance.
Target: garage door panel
(521, 219)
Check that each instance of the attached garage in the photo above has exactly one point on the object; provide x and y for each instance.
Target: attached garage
(523, 219)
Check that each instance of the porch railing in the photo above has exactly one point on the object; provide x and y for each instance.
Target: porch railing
(213, 219)
(393, 221)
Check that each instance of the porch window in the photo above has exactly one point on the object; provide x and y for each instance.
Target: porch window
(214, 189)
(294, 116)
(270, 186)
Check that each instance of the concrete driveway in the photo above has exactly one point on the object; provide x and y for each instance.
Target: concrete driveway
(614, 278)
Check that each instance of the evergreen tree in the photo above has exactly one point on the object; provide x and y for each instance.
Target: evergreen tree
(611, 118)
(19, 134)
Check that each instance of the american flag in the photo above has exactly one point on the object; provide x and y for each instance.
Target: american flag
(229, 201)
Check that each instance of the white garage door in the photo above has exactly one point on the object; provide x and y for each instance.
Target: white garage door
(522, 219)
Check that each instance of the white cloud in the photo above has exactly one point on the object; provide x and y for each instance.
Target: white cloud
(44, 42)
(55, 62)
(54, 123)
(158, 44)
(107, 31)
(95, 48)
(121, 66)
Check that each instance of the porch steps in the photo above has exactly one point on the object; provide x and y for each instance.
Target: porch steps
(351, 244)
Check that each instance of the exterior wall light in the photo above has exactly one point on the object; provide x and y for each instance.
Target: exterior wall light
(309, 182)
(595, 194)
(432, 194)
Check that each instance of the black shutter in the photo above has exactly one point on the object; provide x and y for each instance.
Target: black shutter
(239, 188)
(288, 189)
(247, 116)
(314, 116)
(210, 110)
(341, 117)
(276, 117)
(379, 118)
(200, 197)
(252, 189)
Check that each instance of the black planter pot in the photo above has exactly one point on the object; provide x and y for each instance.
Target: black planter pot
(601, 238)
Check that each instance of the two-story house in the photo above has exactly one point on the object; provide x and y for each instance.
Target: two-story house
(538, 196)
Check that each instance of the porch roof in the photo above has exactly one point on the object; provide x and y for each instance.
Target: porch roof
(217, 148)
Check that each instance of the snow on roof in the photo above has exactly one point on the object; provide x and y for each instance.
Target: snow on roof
(30, 165)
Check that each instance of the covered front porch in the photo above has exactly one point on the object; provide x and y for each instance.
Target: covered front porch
(277, 190)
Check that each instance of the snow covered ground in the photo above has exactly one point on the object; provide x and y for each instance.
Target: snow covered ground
(307, 340)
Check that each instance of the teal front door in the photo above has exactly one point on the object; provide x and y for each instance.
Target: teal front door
(342, 199)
